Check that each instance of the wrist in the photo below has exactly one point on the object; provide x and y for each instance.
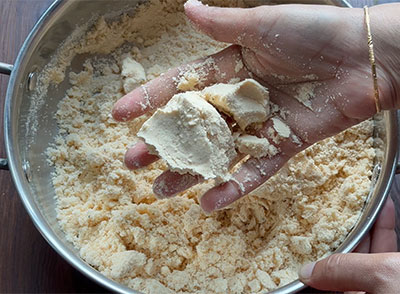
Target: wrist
(386, 37)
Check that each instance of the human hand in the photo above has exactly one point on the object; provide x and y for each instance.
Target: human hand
(285, 48)
(372, 273)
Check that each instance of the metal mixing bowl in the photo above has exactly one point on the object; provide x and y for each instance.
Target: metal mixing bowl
(26, 150)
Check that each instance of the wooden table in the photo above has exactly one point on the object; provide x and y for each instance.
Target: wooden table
(27, 263)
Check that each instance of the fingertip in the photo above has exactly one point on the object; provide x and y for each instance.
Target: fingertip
(130, 159)
(195, 11)
(220, 197)
(162, 188)
(206, 203)
(224, 24)
(305, 272)
(130, 106)
(216, 22)
(170, 183)
(122, 110)
(336, 272)
(115, 113)
(138, 156)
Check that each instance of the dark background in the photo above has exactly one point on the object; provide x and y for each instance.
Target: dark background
(27, 263)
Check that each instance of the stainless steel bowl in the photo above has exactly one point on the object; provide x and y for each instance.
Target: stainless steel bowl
(26, 152)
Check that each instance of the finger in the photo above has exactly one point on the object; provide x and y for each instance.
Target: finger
(170, 183)
(250, 175)
(351, 272)
(218, 68)
(138, 156)
(145, 98)
(230, 25)
(255, 171)
(384, 237)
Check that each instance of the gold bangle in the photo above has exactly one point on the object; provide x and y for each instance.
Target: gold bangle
(372, 59)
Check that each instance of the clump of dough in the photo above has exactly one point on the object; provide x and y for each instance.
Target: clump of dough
(123, 262)
(247, 101)
(191, 136)
(281, 128)
(255, 146)
(133, 73)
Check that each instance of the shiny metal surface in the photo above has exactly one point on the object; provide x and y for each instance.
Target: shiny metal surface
(23, 144)
(32, 80)
(3, 164)
(6, 68)
(343, 3)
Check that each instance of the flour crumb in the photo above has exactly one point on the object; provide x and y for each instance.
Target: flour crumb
(281, 128)
(125, 262)
(305, 93)
(296, 140)
(239, 66)
(265, 279)
(255, 147)
(189, 81)
(133, 73)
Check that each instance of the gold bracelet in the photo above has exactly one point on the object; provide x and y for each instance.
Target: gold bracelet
(372, 59)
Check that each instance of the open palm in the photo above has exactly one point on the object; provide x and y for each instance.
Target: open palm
(313, 60)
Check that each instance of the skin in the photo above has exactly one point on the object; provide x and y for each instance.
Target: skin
(321, 44)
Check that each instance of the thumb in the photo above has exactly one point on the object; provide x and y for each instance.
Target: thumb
(372, 273)
(230, 25)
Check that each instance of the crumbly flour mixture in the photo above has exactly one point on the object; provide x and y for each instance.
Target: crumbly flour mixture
(170, 246)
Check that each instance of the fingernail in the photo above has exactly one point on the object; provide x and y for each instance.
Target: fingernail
(169, 184)
(161, 189)
(305, 272)
(220, 197)
(193, 3)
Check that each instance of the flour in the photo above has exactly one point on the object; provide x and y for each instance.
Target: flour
(305, 93)
(192, 77)
(256, 147)
(281, 128)
(112, 217)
